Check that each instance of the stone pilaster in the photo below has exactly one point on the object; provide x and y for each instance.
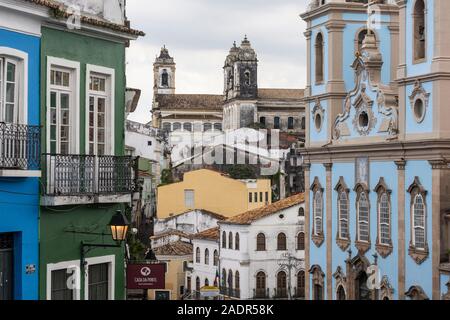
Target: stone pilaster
(307, 172)
(401, 228)
(329, 225)
(437, 167)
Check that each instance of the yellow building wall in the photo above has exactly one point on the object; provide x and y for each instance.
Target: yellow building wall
(213, 192)
(175, 278)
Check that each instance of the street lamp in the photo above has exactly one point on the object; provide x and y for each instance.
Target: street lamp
(119, 227)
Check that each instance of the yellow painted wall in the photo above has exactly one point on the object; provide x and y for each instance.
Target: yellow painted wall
(175, 277)
(213, 192)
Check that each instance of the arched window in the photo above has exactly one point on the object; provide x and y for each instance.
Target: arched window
(247, 77)
(224, 240)
(319, 58)
(384, 212)
(224, 278)
(167, 127)
(260, 285)
(218, 126)
(216, 258)
(301, 241)
(281, 242)
(237, 281)
(318, 209)
(362, 213)
(164, 78)
(301, 284)
(420, 31)
(340, 294)
(230, 241)
(361, 36)
(176, 126)
(418, 249)
(206, 282)
(197, 255)
(276, 123)
(207, 127)
(262, 121)
(187, 126)
(281, 285)
(197, 284)
(343, 214)
(230, 280)
(261, 242)
(303, 123)
(290, 123)
(419, 239)
(206, 256)
(301, 212)
(237, 242)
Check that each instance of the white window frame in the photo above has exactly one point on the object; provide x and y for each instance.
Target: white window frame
(388, 225)
(74, 68)
(110, 109)
(186, 204)
(111, 261)
(358, 216)
(74, 264)
(20, 58)
(316, 216)
(341, 219)
(424, 226)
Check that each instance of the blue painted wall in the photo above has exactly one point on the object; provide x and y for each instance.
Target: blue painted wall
(19, 197)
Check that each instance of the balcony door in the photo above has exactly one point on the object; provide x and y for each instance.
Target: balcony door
(9, 90)
(60, 111)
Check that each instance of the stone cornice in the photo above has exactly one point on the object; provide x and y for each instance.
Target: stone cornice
(429, 150)
(345, 6)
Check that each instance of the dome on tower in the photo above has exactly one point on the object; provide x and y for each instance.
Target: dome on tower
(164, 56)
(246, 51)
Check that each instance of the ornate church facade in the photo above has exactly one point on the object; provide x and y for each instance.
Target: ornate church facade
(377, 152)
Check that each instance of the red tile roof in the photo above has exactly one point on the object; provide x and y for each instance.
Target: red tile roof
(210, 234)
(207, 102)
(256, 214)
(178, 248)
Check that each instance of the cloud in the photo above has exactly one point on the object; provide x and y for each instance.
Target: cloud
(199, 34)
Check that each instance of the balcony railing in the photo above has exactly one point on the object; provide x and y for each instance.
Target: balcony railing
(261, 293)
(229, 292)
(281, 293)
(19, 146)
(79, 175)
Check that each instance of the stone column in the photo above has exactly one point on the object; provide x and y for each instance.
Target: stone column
(401, 228)
(329, 225)
(307, 170)
(437, 170)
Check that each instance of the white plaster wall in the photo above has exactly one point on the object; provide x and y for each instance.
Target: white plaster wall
(202, 270)
(190, 222)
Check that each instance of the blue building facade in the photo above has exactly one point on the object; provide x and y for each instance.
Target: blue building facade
(20, 153)
(377, 153)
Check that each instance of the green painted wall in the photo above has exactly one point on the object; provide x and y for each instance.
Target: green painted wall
(86, 50)
(63, 228)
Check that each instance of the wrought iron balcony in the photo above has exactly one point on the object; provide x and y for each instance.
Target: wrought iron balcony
(261, 293)
(87, 175)
(19, 147)
(281, 293)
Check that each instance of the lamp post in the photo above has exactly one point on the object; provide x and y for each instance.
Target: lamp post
(119, 227)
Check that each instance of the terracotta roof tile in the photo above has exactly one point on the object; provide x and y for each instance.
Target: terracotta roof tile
(210, 234)
(284, 94)
(207, 102)
(256, 214)
(178, 248)
(171, 232)
(61, 11)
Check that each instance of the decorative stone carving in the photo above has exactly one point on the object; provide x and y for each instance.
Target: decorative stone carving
(447, 295)
(416, 293)
(386, 290)
(419, 93)
(364, 120)
(340, 279)
(318, 111)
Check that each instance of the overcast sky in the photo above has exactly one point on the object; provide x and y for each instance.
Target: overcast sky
(199, 34)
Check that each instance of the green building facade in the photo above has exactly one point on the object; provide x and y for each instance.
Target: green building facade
(86, 176)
